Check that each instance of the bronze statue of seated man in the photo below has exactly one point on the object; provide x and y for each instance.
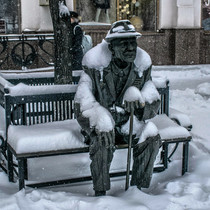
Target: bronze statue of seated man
(113, 69)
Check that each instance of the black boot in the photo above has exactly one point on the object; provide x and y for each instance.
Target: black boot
(100, 193)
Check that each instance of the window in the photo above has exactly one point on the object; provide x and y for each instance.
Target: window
(142, 13)
(206, 14)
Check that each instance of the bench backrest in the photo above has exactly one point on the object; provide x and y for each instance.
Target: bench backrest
(42, 108)
(36, 109)
(164, 97)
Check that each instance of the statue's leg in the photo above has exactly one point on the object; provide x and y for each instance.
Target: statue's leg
(101, 157)
(107, 16)
(144, 156)
(98, 12)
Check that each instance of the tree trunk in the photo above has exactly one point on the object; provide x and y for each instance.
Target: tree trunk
(62, 44)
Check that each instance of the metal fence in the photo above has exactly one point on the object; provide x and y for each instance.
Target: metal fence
(26, 50)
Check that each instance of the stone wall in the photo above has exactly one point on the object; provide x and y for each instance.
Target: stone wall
(205, 48)
(187, 46)
(177, 46)
(160, 46)
(168, 47)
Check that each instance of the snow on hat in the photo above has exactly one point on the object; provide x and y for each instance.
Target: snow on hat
(121, 29)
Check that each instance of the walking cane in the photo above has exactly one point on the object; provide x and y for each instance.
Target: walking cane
(129, 148)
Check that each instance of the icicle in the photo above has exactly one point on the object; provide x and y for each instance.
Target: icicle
(101, 73)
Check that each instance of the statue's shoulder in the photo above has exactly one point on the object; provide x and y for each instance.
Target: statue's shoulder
(143, 61)
(98, 57)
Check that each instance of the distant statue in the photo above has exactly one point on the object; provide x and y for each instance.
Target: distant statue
(116, 79)
(206, 17)
(102, 5)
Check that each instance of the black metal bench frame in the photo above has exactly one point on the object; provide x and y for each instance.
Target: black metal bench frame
(25, 116)
(22, 158)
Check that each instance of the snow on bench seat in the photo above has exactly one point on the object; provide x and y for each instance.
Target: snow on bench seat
(180, 117)
(160, 82)
(52, 136)
(168, 129)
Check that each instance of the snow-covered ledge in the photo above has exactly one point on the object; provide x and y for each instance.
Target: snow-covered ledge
(4, 83)
(22, 89)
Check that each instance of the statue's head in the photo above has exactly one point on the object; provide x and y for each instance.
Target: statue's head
(122, 41)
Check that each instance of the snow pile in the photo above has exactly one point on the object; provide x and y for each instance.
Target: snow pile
(140, 129)
(181, 77)
(142, 61)
(122, 31)
(137, 127)
(63, 9)
(168, 129)
(203, 89)
(4, 82)
(149, 92)
(45, 137)
(149, 130)
(168, 190)
(84, 94)
(99, 57)
(27, 75)
(182, 118)
(160, 82)
(198, 110)
(133, 94)
(99, 117)
(206, 70)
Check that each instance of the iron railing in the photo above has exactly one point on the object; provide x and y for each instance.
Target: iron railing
(26, 50)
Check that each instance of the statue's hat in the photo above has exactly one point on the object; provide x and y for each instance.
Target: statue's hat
(121, 29)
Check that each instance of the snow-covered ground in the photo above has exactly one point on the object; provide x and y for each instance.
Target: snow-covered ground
(189, 93)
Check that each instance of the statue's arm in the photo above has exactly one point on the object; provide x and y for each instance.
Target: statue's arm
(91, 116)
(147, 74)
(151, 96)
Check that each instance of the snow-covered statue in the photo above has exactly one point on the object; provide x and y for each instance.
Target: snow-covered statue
(117, 79)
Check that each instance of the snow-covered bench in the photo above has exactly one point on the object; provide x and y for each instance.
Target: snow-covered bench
(39, 123)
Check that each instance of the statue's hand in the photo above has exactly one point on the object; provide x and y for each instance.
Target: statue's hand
(106, 138)
(129, 105)
(133, 99)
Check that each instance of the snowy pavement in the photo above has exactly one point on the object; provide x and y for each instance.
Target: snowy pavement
(169, 190)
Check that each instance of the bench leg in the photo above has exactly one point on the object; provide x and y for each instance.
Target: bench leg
(25, 169)
(185, 157)
(21, 173)
(10, 165)
(165, 155)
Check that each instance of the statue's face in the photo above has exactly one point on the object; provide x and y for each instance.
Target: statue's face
(124, 49)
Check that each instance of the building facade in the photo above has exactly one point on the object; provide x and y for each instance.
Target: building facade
(170, 28)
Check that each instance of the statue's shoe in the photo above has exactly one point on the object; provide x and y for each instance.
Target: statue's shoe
(100, 193)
